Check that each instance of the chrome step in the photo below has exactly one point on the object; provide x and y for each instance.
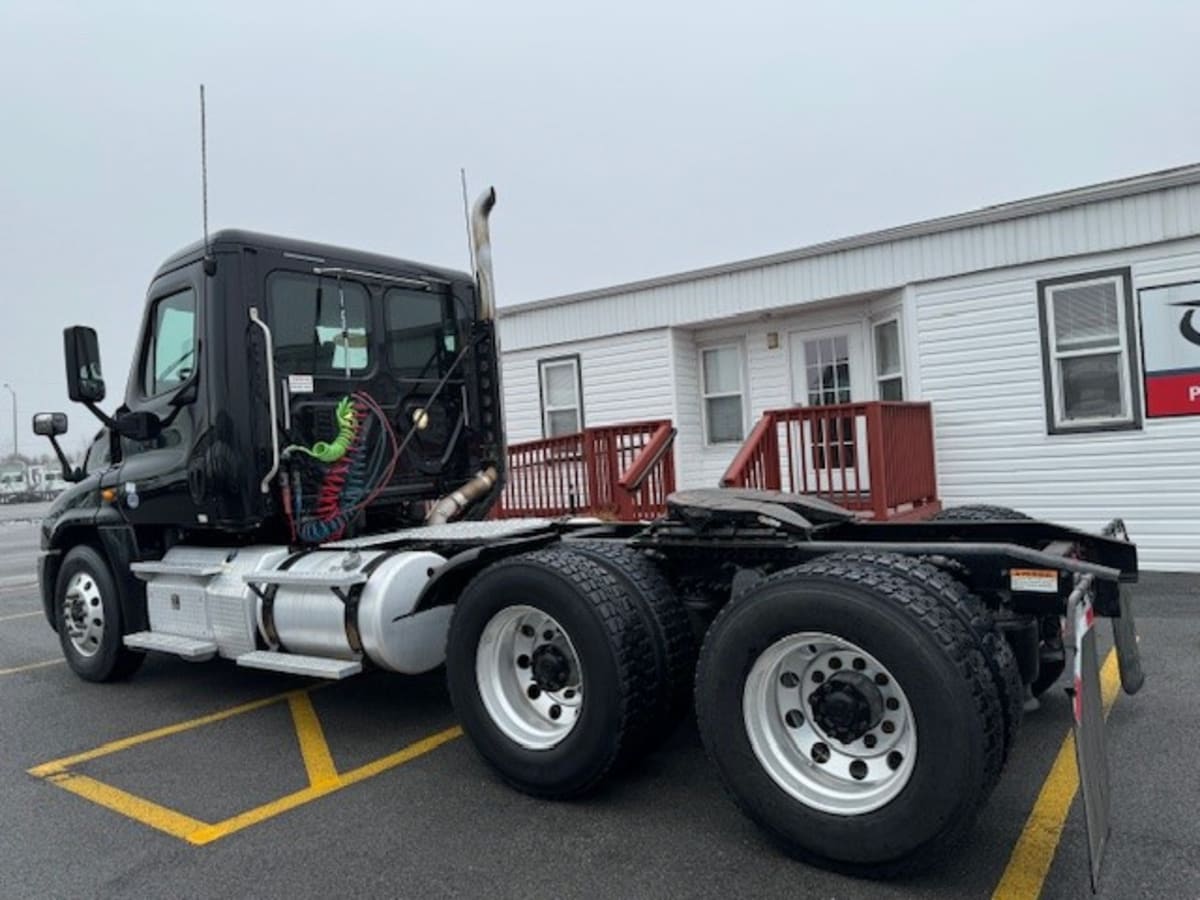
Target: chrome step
(161, 567)
(192, 649)
(338, 578)
(295, 664)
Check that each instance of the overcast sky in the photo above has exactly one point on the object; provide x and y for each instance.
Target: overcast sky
(625, 140)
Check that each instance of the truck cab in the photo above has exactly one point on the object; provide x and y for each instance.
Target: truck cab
(248, 344)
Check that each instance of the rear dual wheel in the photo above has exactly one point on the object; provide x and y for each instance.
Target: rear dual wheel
(849, 714)
(558, 670)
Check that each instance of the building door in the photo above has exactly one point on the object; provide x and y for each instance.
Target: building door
(828, 447)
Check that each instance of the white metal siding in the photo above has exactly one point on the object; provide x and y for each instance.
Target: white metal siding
(981, 366)
(1148, 218)
(626, 377)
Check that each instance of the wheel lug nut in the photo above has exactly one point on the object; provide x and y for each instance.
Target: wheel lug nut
(527, 631)
(881, 679)
(534, 692)
(888, 727)
(794, 718)
(835, 663)
(547, 635)
(555, 711)
(789, 679)
(858, 769)
(569, 693)
(859, 663)
(818, 676)
(892, 703)
(894, 759)
(523, 661)
(820, 753)
(870, 740)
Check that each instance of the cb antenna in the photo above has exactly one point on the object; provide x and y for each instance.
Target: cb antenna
(462, 174)
(210, 263)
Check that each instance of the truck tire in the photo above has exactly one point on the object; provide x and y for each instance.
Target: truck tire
(87, 616)
(976, 513)
(997, 654)
(549, 668)
(798, 681)
(665, 618)
(1053, 661)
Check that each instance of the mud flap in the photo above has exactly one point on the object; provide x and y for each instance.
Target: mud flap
(1090, 753)
(1125, 638)
(1129, 654)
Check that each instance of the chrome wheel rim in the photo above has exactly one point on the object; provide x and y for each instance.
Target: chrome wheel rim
(529, 677)
(83, 614)
(797, 704)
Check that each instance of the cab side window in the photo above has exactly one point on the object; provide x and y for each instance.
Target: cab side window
(319, 324)
(171, 356)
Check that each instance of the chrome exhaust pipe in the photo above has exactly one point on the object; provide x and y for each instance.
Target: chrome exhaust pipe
(455, 503)
(481, 241)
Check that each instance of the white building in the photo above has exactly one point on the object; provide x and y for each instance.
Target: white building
(1052, 336)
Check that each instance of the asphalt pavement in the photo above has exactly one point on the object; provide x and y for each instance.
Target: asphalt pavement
(234, 804)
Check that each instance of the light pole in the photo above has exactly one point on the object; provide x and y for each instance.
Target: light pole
(8, 387)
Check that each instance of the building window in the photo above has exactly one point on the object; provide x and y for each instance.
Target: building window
(1087, 352)
(721, 387)
(562, 396)
(889, 374)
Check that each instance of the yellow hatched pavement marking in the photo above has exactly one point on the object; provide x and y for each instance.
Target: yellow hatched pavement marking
(318, 761)
(60, 765)
(148, 813)
(291, 801)
(1030, 862)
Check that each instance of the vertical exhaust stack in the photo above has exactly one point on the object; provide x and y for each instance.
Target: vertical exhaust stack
(481, 241)
(488, 482)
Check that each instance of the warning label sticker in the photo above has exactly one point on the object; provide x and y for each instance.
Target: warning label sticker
(300, 384)
(1038, 581)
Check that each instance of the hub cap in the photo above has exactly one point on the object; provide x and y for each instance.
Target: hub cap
(83, 614)
(829, 724)
(529, 677)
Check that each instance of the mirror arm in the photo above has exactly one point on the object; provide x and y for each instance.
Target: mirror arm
(100, 414)
(68, 473)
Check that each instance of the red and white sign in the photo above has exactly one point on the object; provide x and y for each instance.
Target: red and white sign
(1171, 349)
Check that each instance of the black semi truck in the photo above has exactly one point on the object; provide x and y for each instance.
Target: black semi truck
(299, 478)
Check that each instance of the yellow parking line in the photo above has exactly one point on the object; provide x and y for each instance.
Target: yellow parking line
(24, 615)
(137, 808)
(59, 765)
(313, 747)
(1031, 858)
(29, 667)
(259, 814)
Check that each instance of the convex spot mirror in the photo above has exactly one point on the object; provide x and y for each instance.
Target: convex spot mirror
(85, 383)
(50, 424)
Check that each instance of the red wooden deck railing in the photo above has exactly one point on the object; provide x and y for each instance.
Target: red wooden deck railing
(615, 471)
(874, 458)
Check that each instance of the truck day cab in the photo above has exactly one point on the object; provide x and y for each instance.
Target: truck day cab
(298, 479)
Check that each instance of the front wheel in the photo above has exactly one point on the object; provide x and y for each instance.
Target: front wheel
(88, 618)
(848, 715)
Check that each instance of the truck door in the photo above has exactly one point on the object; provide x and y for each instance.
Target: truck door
(152, 478)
